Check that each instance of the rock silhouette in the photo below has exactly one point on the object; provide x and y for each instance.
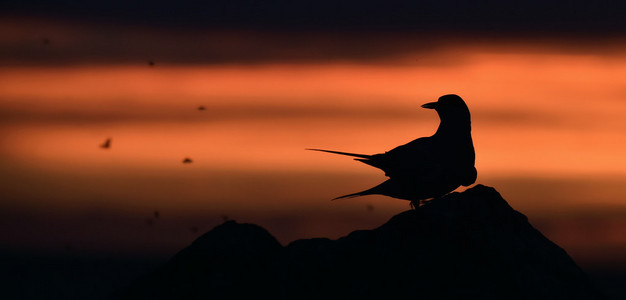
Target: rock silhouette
(427, 167)
(469, 245)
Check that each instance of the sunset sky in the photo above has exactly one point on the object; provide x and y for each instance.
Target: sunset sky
(547, 98)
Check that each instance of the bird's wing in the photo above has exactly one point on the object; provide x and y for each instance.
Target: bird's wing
(415, 158)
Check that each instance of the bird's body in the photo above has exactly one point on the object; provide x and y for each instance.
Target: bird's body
(427, 167)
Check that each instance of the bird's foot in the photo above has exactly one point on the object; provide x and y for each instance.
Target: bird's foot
(425, 201)
(416, 203)
(419, 203)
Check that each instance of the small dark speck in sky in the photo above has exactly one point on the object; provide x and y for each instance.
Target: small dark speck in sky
(187, 160)
(201, 108)
(106, 144)
(151, 63)
(156, 214)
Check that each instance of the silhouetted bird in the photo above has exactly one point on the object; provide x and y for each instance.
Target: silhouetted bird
(106, 144)
(201, 107)
(427, 167)
(187, 160)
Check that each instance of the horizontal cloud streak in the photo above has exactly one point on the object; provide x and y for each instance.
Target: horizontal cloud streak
(584, 216)
(33, 42)
(526, 16)
(186, 113)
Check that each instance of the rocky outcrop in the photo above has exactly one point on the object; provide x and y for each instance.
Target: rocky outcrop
(469, 245)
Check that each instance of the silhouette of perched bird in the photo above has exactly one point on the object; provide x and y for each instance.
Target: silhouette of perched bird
(106, 144)
(427, 167)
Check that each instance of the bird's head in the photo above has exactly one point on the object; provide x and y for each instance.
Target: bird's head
(446, 103)
(450, 107)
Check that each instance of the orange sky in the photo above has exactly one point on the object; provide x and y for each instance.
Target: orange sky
(572, 106)
(548, 130)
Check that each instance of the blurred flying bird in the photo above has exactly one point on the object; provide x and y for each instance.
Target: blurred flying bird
(106, 144)
(427, 167)
(187, 160)
(201, 107)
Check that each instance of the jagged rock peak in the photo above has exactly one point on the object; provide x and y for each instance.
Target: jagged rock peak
(468, 245)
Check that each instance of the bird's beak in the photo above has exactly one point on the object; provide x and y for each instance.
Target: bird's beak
(430, 105)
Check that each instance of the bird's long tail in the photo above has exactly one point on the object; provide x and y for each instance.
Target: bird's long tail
(372, 191)
(351, 196)
(342, 153)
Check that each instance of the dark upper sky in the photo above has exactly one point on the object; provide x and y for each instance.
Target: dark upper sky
(449, 15)
(211, 32)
